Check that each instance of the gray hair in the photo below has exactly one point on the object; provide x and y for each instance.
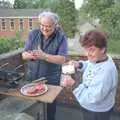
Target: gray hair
(51, 15)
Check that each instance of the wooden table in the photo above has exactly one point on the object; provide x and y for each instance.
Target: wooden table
(48, 97)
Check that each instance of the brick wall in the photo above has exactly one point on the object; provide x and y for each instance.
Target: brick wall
(10, 33)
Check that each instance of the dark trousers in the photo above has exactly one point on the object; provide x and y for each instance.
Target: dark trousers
(51, 107)
(89, 115)
(51, 110)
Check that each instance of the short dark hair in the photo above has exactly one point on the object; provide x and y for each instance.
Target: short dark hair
(94, 37)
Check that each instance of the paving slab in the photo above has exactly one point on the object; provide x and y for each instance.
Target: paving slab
(7, 116)
(24, 116)
(15, 104)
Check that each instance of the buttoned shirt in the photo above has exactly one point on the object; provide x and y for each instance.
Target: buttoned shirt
(98, 89)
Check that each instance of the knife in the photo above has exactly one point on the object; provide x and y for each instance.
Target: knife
(40, 80)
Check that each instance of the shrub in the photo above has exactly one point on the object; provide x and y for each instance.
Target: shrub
(9, 44)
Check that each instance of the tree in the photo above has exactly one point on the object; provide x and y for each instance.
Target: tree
(64, 8)
(107, 11)
(68, 14)
(5, 4)
(95, 7)
(111, 21)
(44, 4)
(19, 4)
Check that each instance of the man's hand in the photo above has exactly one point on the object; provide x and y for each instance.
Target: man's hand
(28, 55)
(39, 54)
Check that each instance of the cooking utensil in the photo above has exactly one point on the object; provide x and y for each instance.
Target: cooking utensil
(40, 80)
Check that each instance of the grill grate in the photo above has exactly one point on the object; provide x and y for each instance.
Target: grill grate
(10, 77)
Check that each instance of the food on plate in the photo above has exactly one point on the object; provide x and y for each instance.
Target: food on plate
(37, 88)
(34, 89)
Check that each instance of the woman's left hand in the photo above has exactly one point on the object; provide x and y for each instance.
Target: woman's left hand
(67, 81)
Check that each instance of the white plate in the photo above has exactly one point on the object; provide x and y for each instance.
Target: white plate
(24, 89)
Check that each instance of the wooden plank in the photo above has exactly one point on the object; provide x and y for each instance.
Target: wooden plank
(48, 97)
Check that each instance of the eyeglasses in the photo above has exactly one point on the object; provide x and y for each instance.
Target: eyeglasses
(47, 26)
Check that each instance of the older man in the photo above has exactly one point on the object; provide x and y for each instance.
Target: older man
(46, 50)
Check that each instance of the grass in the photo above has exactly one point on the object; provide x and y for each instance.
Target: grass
(114, 47)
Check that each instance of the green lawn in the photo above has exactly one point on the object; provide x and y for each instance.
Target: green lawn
(114, 47)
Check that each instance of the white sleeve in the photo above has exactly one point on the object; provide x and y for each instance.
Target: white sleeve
(93, 93)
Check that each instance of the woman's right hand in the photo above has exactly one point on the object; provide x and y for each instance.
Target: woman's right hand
(74, 63)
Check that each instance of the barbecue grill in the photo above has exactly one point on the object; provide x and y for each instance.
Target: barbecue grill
(11, 78)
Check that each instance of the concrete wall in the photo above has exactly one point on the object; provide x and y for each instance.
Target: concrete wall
(14, 59)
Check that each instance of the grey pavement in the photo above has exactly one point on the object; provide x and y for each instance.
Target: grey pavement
(64, 111)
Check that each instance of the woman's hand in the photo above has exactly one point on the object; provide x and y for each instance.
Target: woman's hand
(74, 63)
(67, 81)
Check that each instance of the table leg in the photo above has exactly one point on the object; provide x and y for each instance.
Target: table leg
(42, 115)
(45, 111)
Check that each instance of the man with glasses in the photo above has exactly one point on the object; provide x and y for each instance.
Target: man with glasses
(46, 51)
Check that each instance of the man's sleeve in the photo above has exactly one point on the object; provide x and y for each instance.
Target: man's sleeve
(63, 50)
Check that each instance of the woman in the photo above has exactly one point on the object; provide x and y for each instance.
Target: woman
(96, 94)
